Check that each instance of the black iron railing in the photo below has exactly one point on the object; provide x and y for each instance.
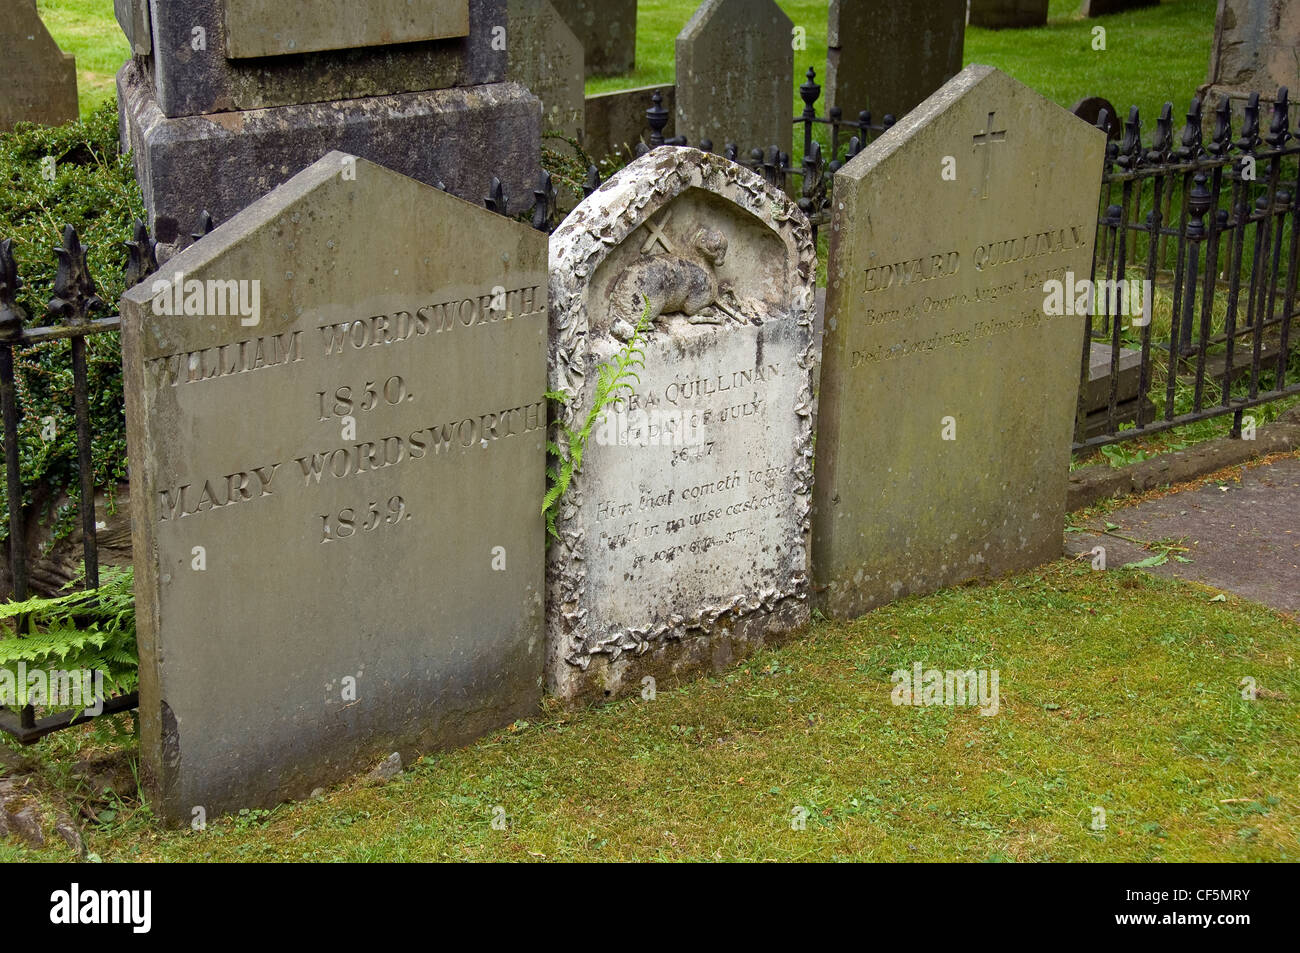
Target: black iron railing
(810, 180)
(74, 304)
(1212, 226)
(75, 301)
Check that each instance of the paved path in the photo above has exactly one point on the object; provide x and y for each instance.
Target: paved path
(1243, 539)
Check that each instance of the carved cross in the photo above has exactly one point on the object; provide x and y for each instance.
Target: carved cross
(657, 235)
(987, 137)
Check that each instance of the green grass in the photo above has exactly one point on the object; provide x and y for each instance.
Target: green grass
(1118, 690)
(88, 29)
(1151, 55)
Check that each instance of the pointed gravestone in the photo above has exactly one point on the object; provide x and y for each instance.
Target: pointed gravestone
(607, 31)
(337, 442)
(947, 391)
(735, 75)
(682, 540)
(888, 57)
(40, 80)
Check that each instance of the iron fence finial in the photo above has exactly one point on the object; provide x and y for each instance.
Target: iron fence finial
(12, 314)
(75, 296)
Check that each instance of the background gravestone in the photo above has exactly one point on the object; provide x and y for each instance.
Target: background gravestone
(735, 75)
(887, 56)
(1255, 49)
(948, 397)
(347, 489)
(613, 123)
(546, 58)
(212, 129)
(681, 552)
(1100, 8)
(999, 14)
(133, 18)
(40, 80)
(607, 31)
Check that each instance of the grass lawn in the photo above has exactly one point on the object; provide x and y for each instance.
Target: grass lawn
(88, 29)
(1151, 55)
(1118, 690)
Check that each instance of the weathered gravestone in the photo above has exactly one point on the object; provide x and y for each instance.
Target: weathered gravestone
(1100, 8)
(40, 80)
(546, 58)
(337, 449)
(607, 31)
(948, 396)
(1255, 49)
(222, 103)
(735, 75)
(999, 14)
(682, 541)
(887, 56)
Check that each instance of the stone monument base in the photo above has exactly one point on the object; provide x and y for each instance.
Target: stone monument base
(223, 162)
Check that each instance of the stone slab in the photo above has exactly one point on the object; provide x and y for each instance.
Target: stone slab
(546, 59)
(269, 28)
(1100, 481)
(133, 18)
(222, 163)
(613, 123)
(735, 75)
(1241, 536)
(607, 31)
(682, 543)
(948, 397)
(190, 81)
(40, 80)
(1001, 14)
(1254, 49)
(1097, 393)
(887, 57)
(336, 504)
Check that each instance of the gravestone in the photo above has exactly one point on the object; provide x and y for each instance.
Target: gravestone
(948, 395)
(682, 541)
(40, 80)
(1000, 14)
(607, 31)
(546, 58)
(613, 123)
(1255, 44)
(336, 486)
(1089, 109)
(133, 18)
(735, 75)
(888, 56)
(224, 103)
(1100, 8)
(261, 28)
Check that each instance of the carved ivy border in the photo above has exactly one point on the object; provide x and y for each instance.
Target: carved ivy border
(578, 247)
